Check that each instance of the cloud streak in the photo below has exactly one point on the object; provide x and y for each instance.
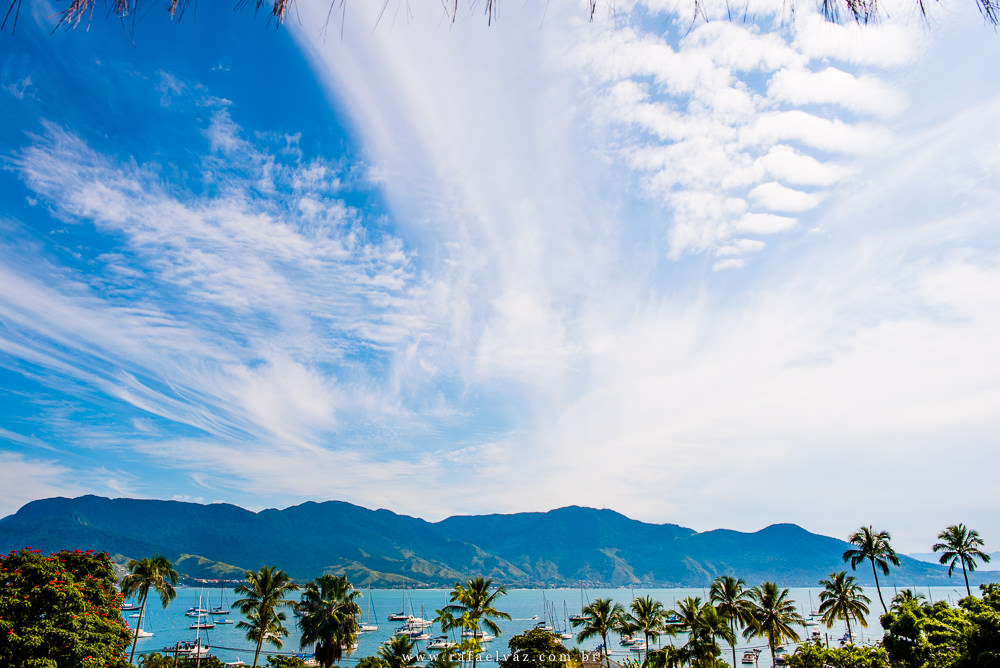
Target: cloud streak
(718, 274)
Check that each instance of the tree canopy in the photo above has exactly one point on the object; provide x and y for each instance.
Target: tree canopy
(60, 610)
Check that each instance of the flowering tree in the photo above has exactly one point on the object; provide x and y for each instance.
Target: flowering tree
(60, 610)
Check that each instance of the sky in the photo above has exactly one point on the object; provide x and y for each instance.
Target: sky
(718, 270)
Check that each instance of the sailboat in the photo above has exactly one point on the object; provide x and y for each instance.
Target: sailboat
(368, 624)
(400, 616)
(564, 633)
(581, 617)
(223, 607)
(198, 625)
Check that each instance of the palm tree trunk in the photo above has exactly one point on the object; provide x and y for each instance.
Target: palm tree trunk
(849, 636)
(732, 624)
(878, 589)
(607, 654)
(770, 646)
(256, 655)
(645, 636)
(969, 591)
(138, 625)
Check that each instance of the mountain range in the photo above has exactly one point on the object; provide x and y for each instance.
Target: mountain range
(562, 547)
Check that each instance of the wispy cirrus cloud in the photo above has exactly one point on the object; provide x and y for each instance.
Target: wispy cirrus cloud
(668, 265)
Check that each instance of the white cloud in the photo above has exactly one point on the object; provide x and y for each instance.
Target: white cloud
(830, 135)
(764, 223)
(24, 479)
(569, 197)
(776, 197)
(787, 165)
(863, 95)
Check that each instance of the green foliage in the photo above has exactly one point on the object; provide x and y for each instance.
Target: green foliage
(399, 652)
(843, 599)
(814, 655)
(705, 625)
(289, 662)
(774, 616)
(330, 612)
(919, 635)
(263, 593)
(667, 657)
(206, 662)
(372, 662)
(61, 610)
(733, 601)
(156, 660)
(649, 616)
(603, 617)
(156, 573)
(961, 546)
(537, 648)
(473, 608)
(875, 547)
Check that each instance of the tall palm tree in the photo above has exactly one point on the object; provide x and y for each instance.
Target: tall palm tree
(961, 545)
(602, 618)
(475, 607)
(263, 593)
(647, 616)
(843, 598)
(156, 573)
(330, 612)
(399, 652)
(873, 546)
(774, 616)
(732, 600)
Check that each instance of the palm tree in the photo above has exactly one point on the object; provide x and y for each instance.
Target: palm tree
(264, 592)
(875, 547)
(156, 573)
(704, 625)
(398, 652)
(774, 615)
(843, 598)
(259, 628)
(710, 626)
(961, 545)
(474, 604)
(330, 612)
(667, 657)
(442, 659)
(905, 596)
(647, 616)
(602, 617)
(156, 660)
(733, 601)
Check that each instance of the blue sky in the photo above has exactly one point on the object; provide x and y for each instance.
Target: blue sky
(721, 274)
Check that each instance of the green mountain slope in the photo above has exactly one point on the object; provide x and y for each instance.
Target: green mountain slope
(379, 547)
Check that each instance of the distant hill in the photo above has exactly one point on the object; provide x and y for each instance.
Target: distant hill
(566, 546)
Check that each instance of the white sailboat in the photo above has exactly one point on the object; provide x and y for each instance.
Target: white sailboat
(565, 632)
(368, 625)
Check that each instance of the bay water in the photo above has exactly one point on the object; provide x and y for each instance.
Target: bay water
(525, 606)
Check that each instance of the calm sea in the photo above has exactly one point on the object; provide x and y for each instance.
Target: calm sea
(523, 605)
